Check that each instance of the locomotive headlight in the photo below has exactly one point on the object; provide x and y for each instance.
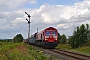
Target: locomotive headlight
(54, 36)
(55, 39)
(46, 39)
(46, 36)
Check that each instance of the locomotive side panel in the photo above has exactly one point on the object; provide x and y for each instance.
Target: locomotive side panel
(40, 36)
(32, 39)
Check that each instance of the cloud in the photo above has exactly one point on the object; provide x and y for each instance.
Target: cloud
(64, 18)
(14, 4)
(33, 2)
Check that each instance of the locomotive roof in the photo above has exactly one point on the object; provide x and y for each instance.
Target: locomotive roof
(50, 28)
(47, 29)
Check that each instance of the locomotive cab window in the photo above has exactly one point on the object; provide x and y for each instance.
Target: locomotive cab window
(47, 32)
(53, 32)
(41, 35)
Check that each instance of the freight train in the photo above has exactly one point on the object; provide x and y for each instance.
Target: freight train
(48, 38)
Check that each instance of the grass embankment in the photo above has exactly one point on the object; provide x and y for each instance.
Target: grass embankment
(19, 51)
(83, 50)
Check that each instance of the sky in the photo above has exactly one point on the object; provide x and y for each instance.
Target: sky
(64, 15)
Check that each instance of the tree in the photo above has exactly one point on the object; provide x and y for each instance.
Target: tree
(73, 41)
(88, 34)
(62, 38)
(80, 36)
(59, 37)
(88, 31)
(18, 38)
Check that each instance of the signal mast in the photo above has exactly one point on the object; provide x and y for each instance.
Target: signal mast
(28, 23)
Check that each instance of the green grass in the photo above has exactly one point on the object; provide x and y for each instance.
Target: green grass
(7, 45)
(83, 50)
(4, 47)
(21, 51)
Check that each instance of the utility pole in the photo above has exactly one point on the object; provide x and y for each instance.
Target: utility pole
(37, 30)
(28, 23)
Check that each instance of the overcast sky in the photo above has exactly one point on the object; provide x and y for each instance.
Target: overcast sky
(65, 15)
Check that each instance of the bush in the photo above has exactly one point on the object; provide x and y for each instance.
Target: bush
(18, 38)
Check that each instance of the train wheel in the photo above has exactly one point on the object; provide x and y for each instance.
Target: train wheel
(28, 43)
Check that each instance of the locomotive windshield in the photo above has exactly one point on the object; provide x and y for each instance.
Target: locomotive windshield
(47, 32)
(53, 32)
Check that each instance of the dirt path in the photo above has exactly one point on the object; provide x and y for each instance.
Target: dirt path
(23, 49)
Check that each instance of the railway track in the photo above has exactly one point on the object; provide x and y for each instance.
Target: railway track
(64, 55)
(71, 55)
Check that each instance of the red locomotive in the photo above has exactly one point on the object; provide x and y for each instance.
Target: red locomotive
(47, 38)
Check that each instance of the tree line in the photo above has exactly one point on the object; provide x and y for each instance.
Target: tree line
(5, 40)
(16, 39)
(80, 37)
